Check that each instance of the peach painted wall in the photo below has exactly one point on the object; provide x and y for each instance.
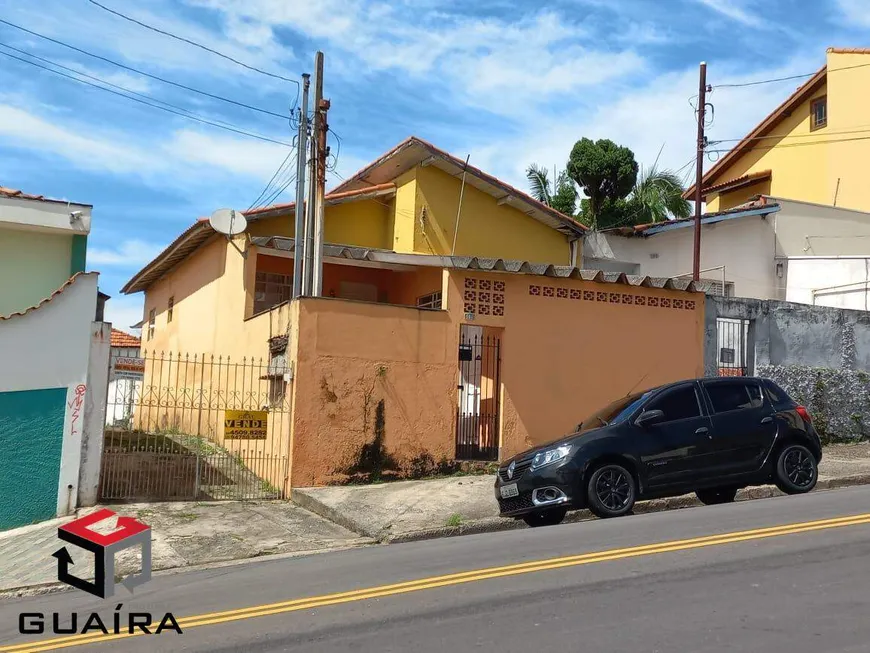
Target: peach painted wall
(565, 353)
(351, 356)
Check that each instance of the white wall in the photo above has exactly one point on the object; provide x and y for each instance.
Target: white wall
(805, 229)
(53, 216)
(851, 275)
(95, 414)
(49, 347)
(745, 246)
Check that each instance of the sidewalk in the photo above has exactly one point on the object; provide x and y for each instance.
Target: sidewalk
(414, 510)
(183, 534)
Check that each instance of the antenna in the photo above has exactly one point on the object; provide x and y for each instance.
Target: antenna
(229, 223)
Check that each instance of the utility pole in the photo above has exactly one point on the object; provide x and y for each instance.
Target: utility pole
(299, 213)
(321, 127)
(311, 208)
(699, 169)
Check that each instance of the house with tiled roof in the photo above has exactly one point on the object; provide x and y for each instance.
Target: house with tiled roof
(787, 208)
(53, 354)
(454, 322)
(813, 147)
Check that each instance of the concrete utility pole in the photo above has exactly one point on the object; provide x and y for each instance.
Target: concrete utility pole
(699, 169)
(299, 213)
(311, 206)
(321, 126)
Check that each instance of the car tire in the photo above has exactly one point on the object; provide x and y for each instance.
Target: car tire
(797, 470)
(611, 491)
(716, 495)
(549, 517)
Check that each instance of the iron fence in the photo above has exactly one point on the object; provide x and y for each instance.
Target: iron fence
(477, 416)
(198, 427)
(732, 339)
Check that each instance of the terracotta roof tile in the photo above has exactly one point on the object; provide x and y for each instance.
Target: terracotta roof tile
(122, 339)
(13, 193)
(738, 182)
(849, 50)
(66, 284)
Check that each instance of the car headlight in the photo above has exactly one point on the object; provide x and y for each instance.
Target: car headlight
(550, 456)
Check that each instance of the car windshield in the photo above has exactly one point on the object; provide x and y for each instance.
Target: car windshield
(616, 412)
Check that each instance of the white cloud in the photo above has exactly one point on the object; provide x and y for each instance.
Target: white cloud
(128, 253)
(184, 159)
(857, 12)
(643, 119)
(124, 311)
(732, 9)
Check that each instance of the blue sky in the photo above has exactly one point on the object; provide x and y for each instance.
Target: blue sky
(509, 82)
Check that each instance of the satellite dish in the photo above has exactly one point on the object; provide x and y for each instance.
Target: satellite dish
(228, 222)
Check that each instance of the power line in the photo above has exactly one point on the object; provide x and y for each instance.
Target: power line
(785, 79)
(825, 142)
(194, 43)
(143, 73)
(265, 190)
(864, 129)
(183, 113)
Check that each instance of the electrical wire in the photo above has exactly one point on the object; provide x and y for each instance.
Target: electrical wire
(863, 129)
(820, 142)
(790, 77)
(183, 113)
(255, 204)
(193, 43)
(143, 73)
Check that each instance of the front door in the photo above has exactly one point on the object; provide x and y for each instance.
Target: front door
(743, 424)
(477, 415)
(676, 450)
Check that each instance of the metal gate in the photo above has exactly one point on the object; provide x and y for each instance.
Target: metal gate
(732, 336)
(477, 415)
(196, 427)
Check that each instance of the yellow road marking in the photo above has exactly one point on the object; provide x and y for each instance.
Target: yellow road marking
(455, 579)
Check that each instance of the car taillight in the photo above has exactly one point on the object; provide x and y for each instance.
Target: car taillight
(804, 413)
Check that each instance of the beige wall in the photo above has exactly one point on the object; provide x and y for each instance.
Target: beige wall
(350, 357)
(564, 357)
(805, 229)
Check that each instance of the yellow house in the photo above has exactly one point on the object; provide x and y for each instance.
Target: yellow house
(407, 202)
(812, 148)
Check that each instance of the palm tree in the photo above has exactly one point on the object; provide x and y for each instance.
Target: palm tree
(563, 197)
(657, 196)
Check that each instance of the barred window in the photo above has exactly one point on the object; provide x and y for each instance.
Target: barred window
(271, 289)
(432, 300)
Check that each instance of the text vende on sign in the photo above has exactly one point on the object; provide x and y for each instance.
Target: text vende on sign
(246, 424)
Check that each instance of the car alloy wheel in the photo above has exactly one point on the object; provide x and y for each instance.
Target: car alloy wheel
(611, 491)
(796, 470)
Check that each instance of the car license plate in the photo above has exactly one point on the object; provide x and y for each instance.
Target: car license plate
(508, 491)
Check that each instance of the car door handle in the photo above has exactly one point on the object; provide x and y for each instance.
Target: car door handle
(702, 431)
(767, 420)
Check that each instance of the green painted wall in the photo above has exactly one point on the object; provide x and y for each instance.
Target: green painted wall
(39, 263)
(78, 254)
(31, 436)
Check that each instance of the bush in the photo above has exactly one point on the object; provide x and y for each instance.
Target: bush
(838, 400)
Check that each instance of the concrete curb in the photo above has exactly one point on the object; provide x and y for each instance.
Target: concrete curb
(495, 524)
(318, 508)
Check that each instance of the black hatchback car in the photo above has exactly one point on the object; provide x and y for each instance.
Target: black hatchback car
(708, 436)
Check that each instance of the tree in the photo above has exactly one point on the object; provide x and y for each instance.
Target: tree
(563, 198)
(657, 196)
(606, 172)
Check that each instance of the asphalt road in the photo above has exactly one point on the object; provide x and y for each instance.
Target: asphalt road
(785, 574)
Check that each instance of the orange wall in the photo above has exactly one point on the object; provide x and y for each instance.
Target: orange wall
(564, 357)
(352, 355)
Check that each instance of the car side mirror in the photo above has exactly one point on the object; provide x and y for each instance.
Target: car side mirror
(649, 417)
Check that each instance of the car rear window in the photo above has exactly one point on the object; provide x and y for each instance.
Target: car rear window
(775, 394)
(734, 396)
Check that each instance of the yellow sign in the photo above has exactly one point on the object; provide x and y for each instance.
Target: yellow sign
(245, 424)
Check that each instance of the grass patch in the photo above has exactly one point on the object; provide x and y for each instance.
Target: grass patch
(454, 520)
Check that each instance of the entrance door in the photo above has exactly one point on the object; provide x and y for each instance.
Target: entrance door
(477, 414)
